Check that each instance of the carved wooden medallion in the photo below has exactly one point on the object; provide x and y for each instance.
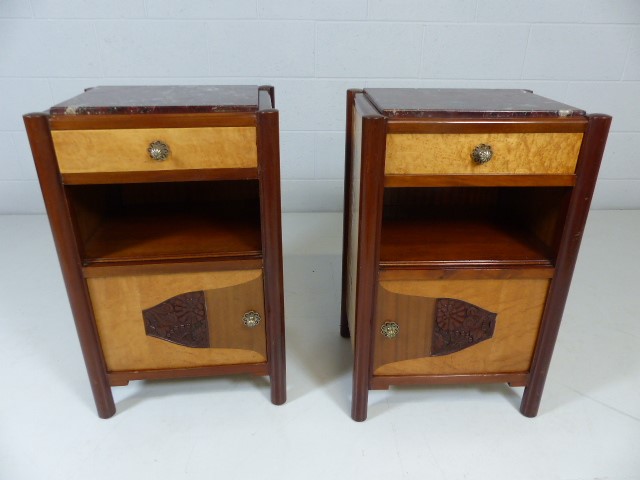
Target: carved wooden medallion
(459, 325)
(181, 319)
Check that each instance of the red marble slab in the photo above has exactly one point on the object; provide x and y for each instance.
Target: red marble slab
(474, 103)
(161, 99)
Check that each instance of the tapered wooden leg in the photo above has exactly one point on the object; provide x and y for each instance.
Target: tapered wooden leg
(64, 237)
(344, 327)
(269, 158)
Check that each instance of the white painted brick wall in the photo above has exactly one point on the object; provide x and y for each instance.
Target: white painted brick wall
(582, 52)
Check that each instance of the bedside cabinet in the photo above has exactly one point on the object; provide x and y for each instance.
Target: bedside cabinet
(464, 211)
(164, 204)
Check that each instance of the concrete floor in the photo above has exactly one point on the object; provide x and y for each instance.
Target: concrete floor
(588, 427)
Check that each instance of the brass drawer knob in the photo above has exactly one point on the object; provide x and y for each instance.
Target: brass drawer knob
(251, 319)
(159, 150)
(482, 153)
(390, 329)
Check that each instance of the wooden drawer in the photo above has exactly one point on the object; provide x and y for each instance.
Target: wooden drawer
(457, 326)
(513, 153)
(179, 320)
(92, 151)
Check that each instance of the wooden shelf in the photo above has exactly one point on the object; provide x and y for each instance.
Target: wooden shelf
(459, 243)
(156, 237)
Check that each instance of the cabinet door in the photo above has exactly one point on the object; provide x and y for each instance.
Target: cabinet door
(441, 327)
(180, 320)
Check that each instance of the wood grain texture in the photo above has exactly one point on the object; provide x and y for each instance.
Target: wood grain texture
(268, 137)
(89, 151)
(65, 236)
(225, 309)
(347, 215)
(172, 236)
(118, 303)
(513, 379)
(515, 153)
(146, 176)
(369, 221)
(569, 244)
(486, 180)
(353, 230)
(124, 377)
(517, 324)
(465, 243)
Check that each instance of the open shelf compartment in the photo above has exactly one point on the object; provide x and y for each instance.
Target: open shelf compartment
(163, 222)
(471, 227)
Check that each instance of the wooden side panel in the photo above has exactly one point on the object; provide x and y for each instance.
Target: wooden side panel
(90, 151)
(514, 153)
(118, 303)
(352, 252)
(516, 326)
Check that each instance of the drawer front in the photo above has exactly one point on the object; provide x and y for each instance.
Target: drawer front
(457, 326)
(513, 153)
(180, 320)
(93, 151)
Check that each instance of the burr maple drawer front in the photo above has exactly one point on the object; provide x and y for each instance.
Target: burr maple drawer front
(155, 149)
(440, 327)
(486, 153)
(180, 320)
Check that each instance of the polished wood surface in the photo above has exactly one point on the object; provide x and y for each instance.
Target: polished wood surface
(146, 176)
(487, 180)
(347, 221)
(502, 236)
(458, 243)
(515, 153)
(510, 350)
(513, 379)
(64, 236)
(118, 303)
(354, 218)
(118, 379)
(143, 237)
(226, 307)
(126, 225)
(90, 151)
(569, 244)
(268, 138)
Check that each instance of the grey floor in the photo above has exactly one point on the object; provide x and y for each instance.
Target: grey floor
(588, 427)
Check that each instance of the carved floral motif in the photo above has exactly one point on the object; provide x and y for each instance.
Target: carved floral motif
(181, 319)
(459, 325)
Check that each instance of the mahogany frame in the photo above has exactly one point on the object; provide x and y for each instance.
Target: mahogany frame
(375, 127)
(66, 239)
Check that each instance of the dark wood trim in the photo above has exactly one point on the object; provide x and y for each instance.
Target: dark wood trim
(589, 161)
(185, 266)
(150, 120)
(479, 180)
(123, 378)
(384, 382)
(271, 225)
(465, 274)
(64, 237)
(192, 175)
(369, 225)
(489, 125)
(346, 217)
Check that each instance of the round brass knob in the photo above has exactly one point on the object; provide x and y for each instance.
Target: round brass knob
(159, 150)
(251, 319)
(482, 153)
(390, 329)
